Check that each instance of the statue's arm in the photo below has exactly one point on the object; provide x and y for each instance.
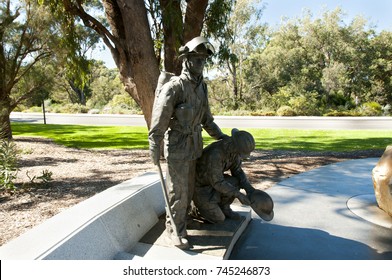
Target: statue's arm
(162, 112)
(218, 181)
(238, 172)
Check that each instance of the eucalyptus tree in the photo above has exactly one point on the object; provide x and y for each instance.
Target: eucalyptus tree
(136, 30)
(237, 39)
(26, 41)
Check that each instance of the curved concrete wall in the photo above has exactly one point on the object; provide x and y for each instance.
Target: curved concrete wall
(100, 227)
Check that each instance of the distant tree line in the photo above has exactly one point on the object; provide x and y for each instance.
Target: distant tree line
(312, 66)
(101, 92)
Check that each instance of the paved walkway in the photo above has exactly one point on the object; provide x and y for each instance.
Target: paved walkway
(329, 213)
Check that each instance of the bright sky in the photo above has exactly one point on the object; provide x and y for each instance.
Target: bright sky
(377, 12)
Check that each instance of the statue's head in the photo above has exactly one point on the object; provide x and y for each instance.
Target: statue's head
(195, 53)
(243, 141)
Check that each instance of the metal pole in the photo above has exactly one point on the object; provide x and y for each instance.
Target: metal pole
(177, 241)
(43, 110)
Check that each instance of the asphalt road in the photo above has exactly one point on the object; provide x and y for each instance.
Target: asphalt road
(346, 123)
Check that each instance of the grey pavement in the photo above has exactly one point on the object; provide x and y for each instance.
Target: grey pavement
(329, 213)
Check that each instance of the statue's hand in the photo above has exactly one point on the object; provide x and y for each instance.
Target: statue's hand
(224, 136)
(248, 189)
(155, 153)
(242, 198)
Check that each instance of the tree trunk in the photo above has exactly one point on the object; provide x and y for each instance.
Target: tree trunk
(194, 18)
(5, 126)
(134, 51)
(79, 93)
(176, 32)
(5, 123)
(172, 34)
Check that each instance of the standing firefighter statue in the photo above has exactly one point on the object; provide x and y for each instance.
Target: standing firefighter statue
(215, 190)
(181, 110)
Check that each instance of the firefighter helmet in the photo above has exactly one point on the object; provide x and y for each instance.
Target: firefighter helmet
(198, 45)
(243, 140)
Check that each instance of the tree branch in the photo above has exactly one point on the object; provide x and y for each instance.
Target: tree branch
(91, 22)
(194, 18)
(17, 78)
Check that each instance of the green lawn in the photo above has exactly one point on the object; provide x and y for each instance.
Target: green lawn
(87, 137)
(121, 137)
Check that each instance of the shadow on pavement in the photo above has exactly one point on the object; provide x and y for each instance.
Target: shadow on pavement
(262, 241)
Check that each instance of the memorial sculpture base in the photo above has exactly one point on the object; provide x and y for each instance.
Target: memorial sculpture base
(215, 240)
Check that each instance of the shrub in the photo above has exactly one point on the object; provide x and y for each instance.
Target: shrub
(74, 109)
(278, 99)
(305, 104)
(93, 111)
(338, 99)
(285, 111)
(9, 155)
(263, 113)
(371, 109)
(339, 113)
(45, 179)
(269, 113)
(35, 109)
(122, 104)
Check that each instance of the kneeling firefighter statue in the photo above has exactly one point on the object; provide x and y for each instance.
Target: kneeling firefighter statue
(215, 190)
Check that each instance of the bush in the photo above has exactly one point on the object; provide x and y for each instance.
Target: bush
(285, 111)
(263, 113)
(74, 109)
(45, 179)
(371, 109)
(277, 100)
(122, 104)
(224, 112)
(269, 113)
(35, 109)
(339, 113)
(9, 155)
(305, 104)
(338, 100)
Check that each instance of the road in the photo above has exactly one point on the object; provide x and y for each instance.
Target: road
(346, 123)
